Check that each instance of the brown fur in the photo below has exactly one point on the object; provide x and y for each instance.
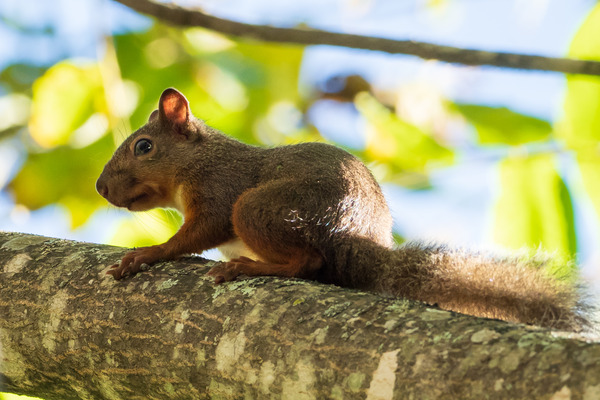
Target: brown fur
(312, 211)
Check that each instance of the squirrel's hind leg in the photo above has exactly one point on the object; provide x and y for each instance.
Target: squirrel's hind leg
(260, 220)
(300, 266)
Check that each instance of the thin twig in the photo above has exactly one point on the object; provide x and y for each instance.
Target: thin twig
(186, 17)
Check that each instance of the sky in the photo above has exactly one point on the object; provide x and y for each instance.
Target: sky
(460, 209)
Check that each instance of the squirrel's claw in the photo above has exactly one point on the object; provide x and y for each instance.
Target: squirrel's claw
(224, 272)
(135, 261)
(119, 271)
(114, 271)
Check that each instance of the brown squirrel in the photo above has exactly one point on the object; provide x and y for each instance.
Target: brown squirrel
(312, 211)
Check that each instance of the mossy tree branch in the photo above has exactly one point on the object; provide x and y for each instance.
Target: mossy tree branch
(69, 332)
(181, 16)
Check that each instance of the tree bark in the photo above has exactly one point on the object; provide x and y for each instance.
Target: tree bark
(67, 331)
(181, 16)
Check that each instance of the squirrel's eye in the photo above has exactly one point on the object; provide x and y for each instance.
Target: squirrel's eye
(143, 146)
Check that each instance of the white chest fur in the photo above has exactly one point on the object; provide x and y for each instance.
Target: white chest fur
(236, 248)
(233, 249)
(178, 201)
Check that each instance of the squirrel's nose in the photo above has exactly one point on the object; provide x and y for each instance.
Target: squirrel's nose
(101, 187)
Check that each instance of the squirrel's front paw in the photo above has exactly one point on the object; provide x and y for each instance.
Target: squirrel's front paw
(133, 262)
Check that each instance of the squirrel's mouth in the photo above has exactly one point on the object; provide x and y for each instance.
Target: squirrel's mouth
(137, 199)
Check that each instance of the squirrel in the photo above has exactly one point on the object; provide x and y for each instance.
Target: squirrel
(311, 211)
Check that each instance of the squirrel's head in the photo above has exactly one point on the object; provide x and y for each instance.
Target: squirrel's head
(142, 172)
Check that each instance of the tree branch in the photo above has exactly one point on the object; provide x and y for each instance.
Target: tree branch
(67, 331)
(185, 17)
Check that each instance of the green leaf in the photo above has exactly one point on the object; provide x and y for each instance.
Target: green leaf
(586, 43)
(20, 77)
(11, 396)
(534, 208)
(232, 87)
(589, 166)
(399, 144)
(269, 72)
(63, 99)
(136, 59)
(63, 175)
(147, 228)
(580, 129)
(504, 126)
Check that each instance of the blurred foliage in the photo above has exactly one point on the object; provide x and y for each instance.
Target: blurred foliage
(535, 199)
(73, 113)
(56, 176)
(503, 126)
(397, 143)
(580, 129)
(64, 98)
(10, 396)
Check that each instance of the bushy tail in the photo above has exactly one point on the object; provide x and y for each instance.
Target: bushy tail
(510, 289)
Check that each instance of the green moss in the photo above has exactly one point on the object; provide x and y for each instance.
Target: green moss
(337, 393)
(336, 309)
(169, 283)
(298, 301)
(168, 387)
(355, 382)
(432, 314)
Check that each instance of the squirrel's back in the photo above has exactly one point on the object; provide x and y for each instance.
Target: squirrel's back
(327, 193)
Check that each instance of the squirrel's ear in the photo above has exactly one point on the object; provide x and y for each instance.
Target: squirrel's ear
(173, 107)
(153, 116)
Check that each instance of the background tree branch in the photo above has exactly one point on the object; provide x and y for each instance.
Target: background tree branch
(176, 15)
(69, 332)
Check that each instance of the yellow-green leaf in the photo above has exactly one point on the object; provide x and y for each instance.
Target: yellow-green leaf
(147, 228)
(396, 142)
(534, 208)
(580, 129)
(500, 125)
(63, 99)
(11, 396)
(63, 175)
